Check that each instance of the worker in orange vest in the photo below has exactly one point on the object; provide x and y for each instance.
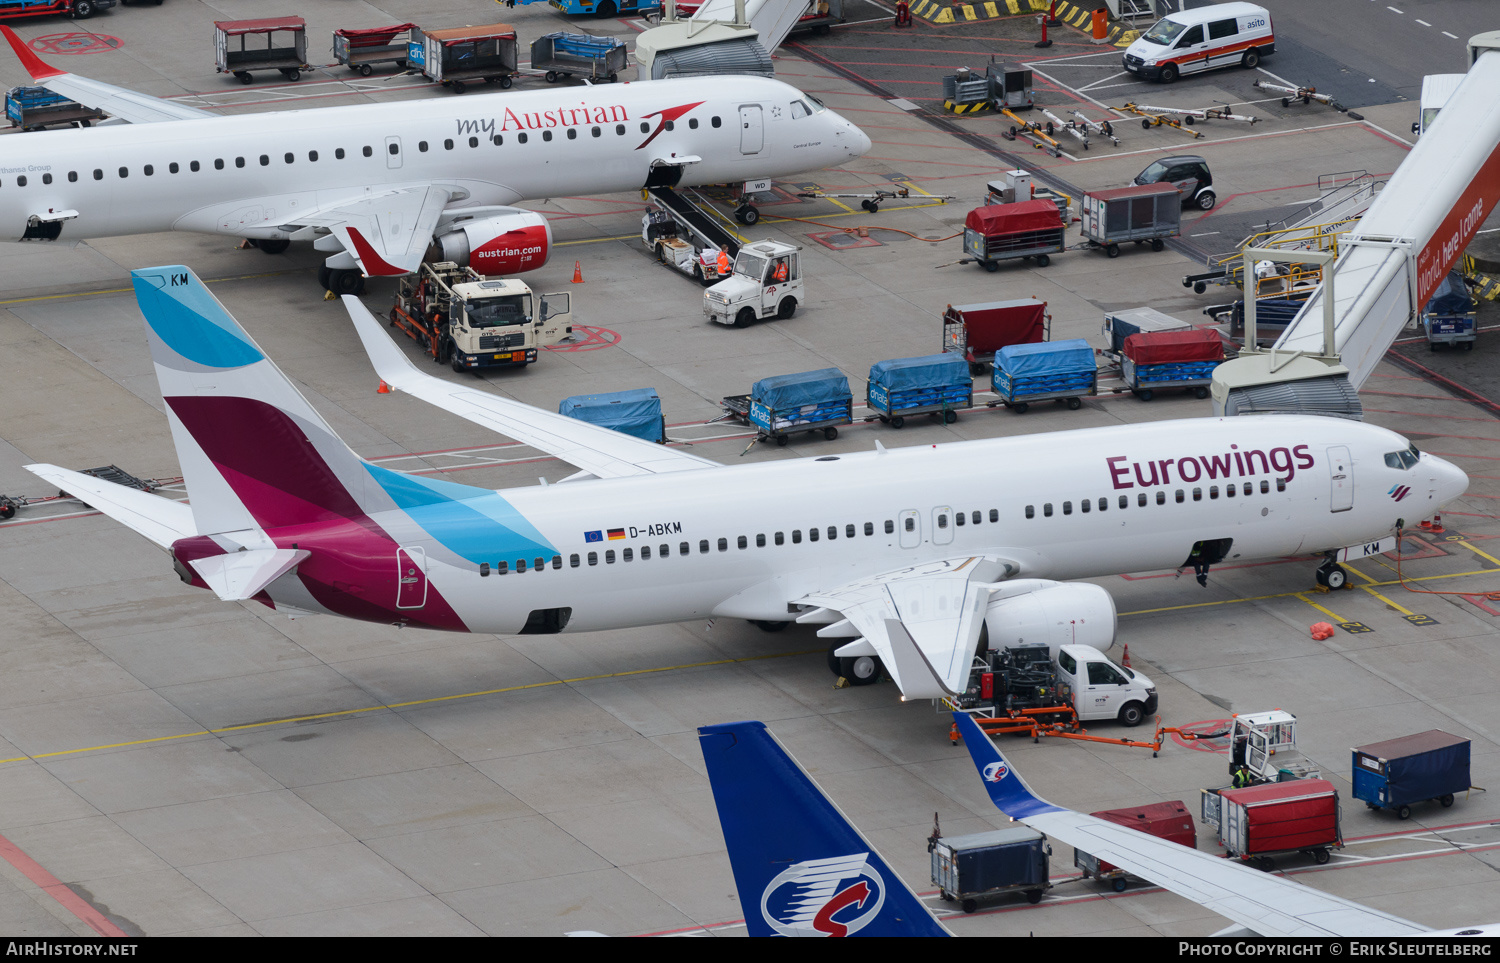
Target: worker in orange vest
(723, 263)
(779, 274)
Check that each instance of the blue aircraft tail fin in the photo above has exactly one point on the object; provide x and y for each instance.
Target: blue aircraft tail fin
(801, 869)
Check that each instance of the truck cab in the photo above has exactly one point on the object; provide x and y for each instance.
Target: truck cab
(502, 321)
(766, 282)
(1103, 690)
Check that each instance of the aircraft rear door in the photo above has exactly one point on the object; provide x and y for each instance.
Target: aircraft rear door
(393, 152)
(411, 577)
(752, 131)
(1341, 475)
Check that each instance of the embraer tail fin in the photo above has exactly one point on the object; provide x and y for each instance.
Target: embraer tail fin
(801, 869)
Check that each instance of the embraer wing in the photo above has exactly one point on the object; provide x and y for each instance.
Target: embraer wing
(159, 519)
(800, 867)
(923, 621)
(127, 105)
(387, 231)
(1268, 905)
(599, 451)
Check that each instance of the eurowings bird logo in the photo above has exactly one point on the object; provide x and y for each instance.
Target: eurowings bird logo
(837, 896)
(663, 116)
(995, 771)
(1398, 492)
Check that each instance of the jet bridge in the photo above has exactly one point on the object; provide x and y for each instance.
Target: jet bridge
(1388, 265)
(721, 37)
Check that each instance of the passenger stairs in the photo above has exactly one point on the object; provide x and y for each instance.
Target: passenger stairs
(695, 219)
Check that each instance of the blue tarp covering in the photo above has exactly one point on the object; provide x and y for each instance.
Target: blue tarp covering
(1047, 358)
(1451, 297)
(582, 45)
(806, 388)
(929, 371)
(636, 412)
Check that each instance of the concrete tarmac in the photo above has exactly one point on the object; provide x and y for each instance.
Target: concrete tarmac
(172, 764)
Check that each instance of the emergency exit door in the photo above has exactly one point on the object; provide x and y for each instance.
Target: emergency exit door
(1341, 477)
(752, 131)
(393, 152)
(411, 577)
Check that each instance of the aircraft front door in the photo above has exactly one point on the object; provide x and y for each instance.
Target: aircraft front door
(393, 152)
(752, 133)
(411, 577)
(1341, 476)
(910, 523)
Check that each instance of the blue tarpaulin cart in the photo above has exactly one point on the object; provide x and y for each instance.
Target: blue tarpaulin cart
(564, 54)
(635, 412)
(1432, 765)
(968, 868)
(932, 384)
(34, 108)
(809, 401)
(1449, 315)
(1053, 370)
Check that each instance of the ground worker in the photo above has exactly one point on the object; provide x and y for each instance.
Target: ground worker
(723, 263)
(779, 274)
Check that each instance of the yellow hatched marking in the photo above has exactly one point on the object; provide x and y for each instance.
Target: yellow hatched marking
(969, 13)
(1014, 6)
(945, 17)
(991, 11)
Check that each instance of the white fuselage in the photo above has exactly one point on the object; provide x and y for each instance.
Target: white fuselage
(738, 541)
(255, 172)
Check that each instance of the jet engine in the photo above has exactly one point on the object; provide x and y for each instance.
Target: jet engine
(1054, 613)
(495, 243)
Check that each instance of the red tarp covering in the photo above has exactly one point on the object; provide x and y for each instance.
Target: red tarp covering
(372, 36)
(1161, 347)
(1282, 816)
(1167, 820)
(1014, 218)
(1136, 190)
(233, 28)
(1000, 324)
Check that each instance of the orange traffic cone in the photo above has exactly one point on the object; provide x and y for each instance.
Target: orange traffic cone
(384, 389)
(577, 272)
(1125, 656)
(1437, 523)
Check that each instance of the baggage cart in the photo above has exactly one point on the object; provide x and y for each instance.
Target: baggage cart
(1256, 822)
(461, 56)
(1120, 325)
(636, 412)
(1062, 371)
(934, 384)
(36, 108)
(1004, 232)
(77, 9)
(1272, 315)
(975, 332)
(983, 865)
(1429, 766)
(786, 404)
(238, 47)
(361, 50)
(1155, 361)
(1144, 214)
(1448, 317)
(562, 55)
(1165, 820)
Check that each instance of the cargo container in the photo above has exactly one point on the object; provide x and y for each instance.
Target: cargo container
(1119, 325)
(1154, 361)
(1255, 822)
(634, 412)
(975, 332)
(463, 55)
(238, 49)
(1003, 232)
(562, 55)
(361, 50)
(1448, 317)
(786, 404)
(934, 384)
(1146, 213)
(1062, 371)
(982, 865)
(1432, 765)
(1165, 820)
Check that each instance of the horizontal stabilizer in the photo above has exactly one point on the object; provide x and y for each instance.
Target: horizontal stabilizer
(159, 519)
(237, 576)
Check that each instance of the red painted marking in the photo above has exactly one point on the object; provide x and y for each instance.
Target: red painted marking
(1477, 601)
(56, 889)
(1219, 745)
(71, 44)
(595, 338)
(33, 64)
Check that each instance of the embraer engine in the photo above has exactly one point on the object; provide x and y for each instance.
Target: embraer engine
(1056, 613)
(501, 244)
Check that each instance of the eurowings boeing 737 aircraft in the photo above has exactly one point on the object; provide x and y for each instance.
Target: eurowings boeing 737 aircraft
(908, 552)
(377, 185)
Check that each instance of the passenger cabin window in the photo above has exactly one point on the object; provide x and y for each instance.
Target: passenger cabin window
(370, 151)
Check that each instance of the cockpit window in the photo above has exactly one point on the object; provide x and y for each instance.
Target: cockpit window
(799, 109)
(817, 105)
(1403, 460)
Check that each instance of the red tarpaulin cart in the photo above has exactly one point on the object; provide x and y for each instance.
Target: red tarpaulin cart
(361, 50)
(1002, 232)
(237, 46)
(1154, 360)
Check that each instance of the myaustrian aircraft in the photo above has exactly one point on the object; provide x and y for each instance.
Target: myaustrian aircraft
(910, 552)
(379, 185)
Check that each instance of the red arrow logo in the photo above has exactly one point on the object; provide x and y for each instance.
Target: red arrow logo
(824, 922)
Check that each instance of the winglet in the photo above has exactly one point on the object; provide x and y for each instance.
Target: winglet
(370, 260)
(1004, 784)
(34, 65)
(801, 869)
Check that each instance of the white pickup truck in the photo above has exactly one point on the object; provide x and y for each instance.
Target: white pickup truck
(1103, 690)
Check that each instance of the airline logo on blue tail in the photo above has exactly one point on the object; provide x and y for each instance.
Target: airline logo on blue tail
(995, 771)
(836, 896)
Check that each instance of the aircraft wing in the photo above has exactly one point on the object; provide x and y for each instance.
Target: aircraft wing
(159, 519)
(1266, 904)
(923, 621)
(599, 451)
(388, 230)
(128, 105)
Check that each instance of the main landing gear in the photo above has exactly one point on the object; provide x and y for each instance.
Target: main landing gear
(342, 282)
(857, 670)
(1332, 575)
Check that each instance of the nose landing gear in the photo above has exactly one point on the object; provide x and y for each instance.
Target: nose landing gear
(1332, 575)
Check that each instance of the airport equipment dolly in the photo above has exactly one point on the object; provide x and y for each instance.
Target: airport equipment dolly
(563, 54)
(361, 50)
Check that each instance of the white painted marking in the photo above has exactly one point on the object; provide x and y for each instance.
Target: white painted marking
(1453, 35)
(1394, 10)
(1424, 23)
(1207, 234)
(903, 104)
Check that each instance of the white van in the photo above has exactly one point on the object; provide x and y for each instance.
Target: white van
(1103, 690)
(1436, 89)
(1203, 38)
